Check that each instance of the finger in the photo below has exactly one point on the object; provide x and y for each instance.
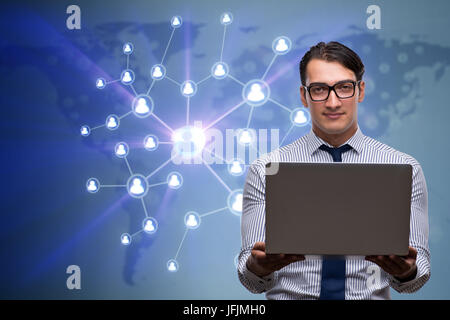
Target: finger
(258, 255)
(380, 261)
(412, 253)
(295, 257)
(401, 262)
(259, 246)
(392, 266)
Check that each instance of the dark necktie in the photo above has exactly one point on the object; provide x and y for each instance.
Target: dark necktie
(332, 286)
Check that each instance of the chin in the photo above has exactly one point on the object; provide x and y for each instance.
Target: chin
(335, 129)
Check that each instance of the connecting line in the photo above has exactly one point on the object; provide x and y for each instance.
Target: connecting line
(167, 142)
(176, 82)
(134, 90)
(233, 78)
(128, 61)
(287, 133)
(178, 251)
(128, 165)
(211, 212)
(167, 47)
(215, 174)
(112, 81)
(145, 208)
(250, 117)
(225, 114)
(204, 79)
(97, 127)
(223, 41)
(112, 186)
(280, 105)
(162, 122)
(136, 233)
(157, 184)
(126, 114)
(270, 64)
(160, 167)
(151, 86)
(187, 110)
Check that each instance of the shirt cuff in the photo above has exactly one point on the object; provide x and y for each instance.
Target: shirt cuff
(262, 283)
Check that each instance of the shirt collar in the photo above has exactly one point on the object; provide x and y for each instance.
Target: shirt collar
(314, 142)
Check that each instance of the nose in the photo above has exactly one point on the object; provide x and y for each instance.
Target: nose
(333, 101)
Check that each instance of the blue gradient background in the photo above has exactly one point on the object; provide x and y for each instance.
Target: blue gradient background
(49, 221)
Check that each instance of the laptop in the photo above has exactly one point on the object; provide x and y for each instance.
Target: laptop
(338, 208)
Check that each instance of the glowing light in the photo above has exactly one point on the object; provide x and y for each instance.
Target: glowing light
(189, 141)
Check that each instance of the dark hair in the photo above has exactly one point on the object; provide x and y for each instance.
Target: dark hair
(334, 52)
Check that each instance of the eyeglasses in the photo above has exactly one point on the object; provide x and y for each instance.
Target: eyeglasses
(321, 91)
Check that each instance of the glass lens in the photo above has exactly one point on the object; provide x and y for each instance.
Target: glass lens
(344, 89)
(318, 92)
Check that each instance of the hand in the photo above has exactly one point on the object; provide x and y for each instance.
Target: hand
(404, 268)
(263, 264)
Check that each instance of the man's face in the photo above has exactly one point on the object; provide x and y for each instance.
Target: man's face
(333, 116)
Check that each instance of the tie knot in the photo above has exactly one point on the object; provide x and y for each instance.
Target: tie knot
(336, 153)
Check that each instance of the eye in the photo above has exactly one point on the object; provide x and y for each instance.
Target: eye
(318, 89)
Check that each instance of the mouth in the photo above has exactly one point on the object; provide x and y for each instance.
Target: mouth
(333, 115)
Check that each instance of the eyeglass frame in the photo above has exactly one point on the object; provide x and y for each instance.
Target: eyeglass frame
(355, 83)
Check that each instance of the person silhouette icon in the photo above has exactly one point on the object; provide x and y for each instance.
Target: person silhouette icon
(142, 106)
(300, 117)
(150, 143)
(237, 204)
(125, 239)
(92, 186)
(255, 93)
(219, 71)
(121, 150)
(172, 266)
(84, 131)
(126, 77)
(157, 73)
(226, 18)
(236, 167)
(127, 48)
(281, 45)
(137, 187)
(100, 83)
(174, 181)
(188, 89)
(191, 221)
(245, 137)
(112, 123)
(176, 22)
(149, 227)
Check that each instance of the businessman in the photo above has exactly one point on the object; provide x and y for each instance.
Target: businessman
(331, 87)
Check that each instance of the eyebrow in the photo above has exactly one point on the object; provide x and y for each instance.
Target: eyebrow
(323, 83)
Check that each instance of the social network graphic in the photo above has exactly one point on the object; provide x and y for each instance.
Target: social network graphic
(188, 142)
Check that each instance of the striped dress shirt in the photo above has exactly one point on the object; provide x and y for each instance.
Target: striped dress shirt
(301, 280)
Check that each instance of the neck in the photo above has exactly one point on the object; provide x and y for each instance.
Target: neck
(335, 139)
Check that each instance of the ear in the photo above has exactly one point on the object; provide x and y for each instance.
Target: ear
(303, 96)
(361, 91)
